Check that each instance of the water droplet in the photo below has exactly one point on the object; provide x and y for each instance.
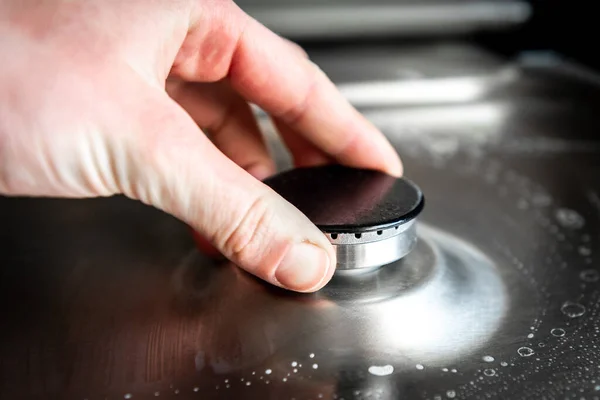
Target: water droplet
(176, 391)
(597, 388)
(558, 332)
(156, 394)
(217, 387)
(530, 335)
(569, 218)
(196, 389)
(541, 199)
(253, 372)
(295, 370)
(454, 370)
(312, 355)
(419, 366)
(128, 396)
(589, 275)
(284, 379)
(488, 359)
(525, 351)
(489, 372)
(294, 364)
(248, 383)
(268, 372)
(572, 310)
(585, 251)
(445, 369)
(226, 386)
(504, 364)
(437, 397)
(382, 370)
(315, 366)
(522, 204)
(451, 394)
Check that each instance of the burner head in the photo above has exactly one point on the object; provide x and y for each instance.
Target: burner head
(367, 215)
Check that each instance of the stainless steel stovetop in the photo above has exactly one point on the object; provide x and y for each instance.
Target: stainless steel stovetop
(108, 298)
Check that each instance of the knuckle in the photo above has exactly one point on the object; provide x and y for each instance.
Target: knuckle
(245, 241)
(207, 52)
(296, 111)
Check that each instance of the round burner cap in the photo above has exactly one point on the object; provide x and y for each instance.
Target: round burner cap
(368, 216)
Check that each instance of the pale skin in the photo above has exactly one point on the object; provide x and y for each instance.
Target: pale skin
(107, 97)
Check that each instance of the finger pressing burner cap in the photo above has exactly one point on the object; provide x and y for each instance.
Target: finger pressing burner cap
(367, 215)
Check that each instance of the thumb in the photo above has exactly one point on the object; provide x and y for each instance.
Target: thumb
(178, 170)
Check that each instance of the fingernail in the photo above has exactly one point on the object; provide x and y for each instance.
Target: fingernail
(303, 267)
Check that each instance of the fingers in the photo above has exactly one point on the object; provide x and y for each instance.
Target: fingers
(301, 96)
(295, 91)
(177, 169)
(233, 130)
(205, 246)
(304, 153)
(269, 72)
(230, 123)
(296, 48)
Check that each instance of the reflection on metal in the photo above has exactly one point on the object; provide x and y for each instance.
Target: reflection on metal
(369, 216)
(424, 91)
(456, 90)
(433, 322)
(443, 93)
(423, 307)
(376, 18)
(369, 255)
(462, 119)
(104, 308)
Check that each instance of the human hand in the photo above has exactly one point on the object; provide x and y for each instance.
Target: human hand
(106, 97)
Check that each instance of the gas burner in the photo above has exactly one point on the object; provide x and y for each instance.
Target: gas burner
(368, 216)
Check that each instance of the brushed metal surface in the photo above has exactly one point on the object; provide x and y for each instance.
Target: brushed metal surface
(331, 19)
(377, 253)
(107, 298)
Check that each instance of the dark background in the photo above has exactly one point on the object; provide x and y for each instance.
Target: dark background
(567, 27)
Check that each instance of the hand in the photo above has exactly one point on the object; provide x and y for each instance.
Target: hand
(105, 97)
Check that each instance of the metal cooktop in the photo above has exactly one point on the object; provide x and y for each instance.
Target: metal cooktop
(108, 299)
(335, 19)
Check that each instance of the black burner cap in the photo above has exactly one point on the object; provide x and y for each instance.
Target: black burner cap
(347, 200)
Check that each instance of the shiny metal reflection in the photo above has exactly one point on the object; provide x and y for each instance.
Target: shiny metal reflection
(347, 19)
(370, 254)
(443, 301)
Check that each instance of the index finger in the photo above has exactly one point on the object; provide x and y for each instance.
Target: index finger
(268, 72)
